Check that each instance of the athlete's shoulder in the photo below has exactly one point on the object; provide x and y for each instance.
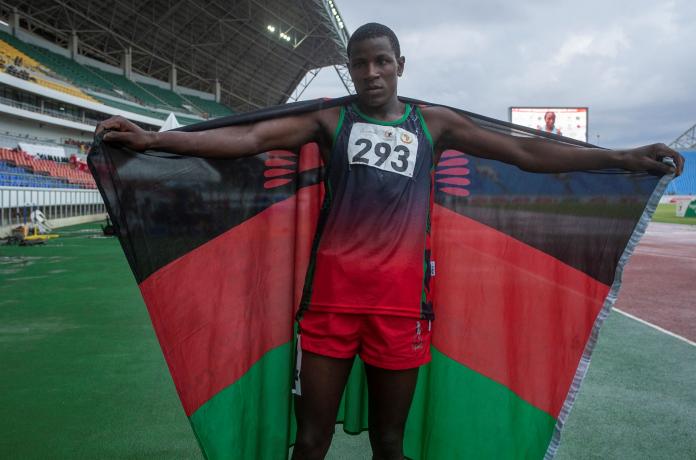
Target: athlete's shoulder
(327, 120)
(438, 113)
(442, 120)
(328, 117)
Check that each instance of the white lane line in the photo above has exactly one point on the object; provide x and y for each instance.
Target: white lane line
(655, 326)
(648, 252)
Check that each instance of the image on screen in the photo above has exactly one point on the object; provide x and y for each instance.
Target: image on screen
(565, 121)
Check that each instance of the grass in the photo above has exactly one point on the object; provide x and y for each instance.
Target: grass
(82, 373)
(667, 213)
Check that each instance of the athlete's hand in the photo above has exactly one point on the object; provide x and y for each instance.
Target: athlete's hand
(126, 133)
(649, 158)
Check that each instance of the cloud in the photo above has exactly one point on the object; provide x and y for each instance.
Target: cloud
(602, 44)
(444, 41)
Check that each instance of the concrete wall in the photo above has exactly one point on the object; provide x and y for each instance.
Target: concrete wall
(42, 131)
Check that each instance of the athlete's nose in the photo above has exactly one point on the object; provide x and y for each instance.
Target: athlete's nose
(372, 71)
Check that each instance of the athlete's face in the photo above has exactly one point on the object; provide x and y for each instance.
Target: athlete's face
(375, 70)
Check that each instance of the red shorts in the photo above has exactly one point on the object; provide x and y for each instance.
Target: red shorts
(387, 342)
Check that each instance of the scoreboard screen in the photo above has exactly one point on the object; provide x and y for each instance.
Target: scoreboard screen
(566, 121)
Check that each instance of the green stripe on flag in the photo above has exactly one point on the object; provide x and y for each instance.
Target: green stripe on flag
(488, 420)
(252, 418)
(257, 406)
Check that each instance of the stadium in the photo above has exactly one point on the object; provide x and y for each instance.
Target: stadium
(83, 374)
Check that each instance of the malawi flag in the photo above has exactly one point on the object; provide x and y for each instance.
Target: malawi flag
(527, 268)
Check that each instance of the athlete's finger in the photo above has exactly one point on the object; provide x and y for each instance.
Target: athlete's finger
(116, 137)
(674, 155)
(110, 123)
(679, 161)
(658, 166)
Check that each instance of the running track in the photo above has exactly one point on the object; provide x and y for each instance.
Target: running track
(659, 281)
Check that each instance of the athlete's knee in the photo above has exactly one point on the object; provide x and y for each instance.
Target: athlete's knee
(387, 445)
(312, 444)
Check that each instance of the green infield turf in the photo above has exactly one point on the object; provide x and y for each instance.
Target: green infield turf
(83, 375)
(667, 213)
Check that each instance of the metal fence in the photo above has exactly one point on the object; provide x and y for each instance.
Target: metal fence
(16, 203)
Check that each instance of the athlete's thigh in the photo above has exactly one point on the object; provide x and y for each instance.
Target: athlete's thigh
(322, 380)
(390, 395)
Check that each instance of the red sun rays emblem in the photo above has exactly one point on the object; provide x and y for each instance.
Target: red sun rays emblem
(283, 165)
(450, 172)
(280, 168)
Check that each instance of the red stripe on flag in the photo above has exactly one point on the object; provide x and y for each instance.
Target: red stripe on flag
(310, 158)
(460, 161)
(453, 180)
(453, 171)
(277, 172)
(510, 312)
(451, 154)
(273, 183)
(218, 309)
(455, 191)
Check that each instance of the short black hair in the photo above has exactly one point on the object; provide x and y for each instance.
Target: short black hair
(374, 30)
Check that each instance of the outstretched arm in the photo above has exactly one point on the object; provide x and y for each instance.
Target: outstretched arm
(226, 142)
(451, 130)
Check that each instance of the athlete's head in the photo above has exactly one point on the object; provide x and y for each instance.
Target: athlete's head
(375, 63)
(374, 30)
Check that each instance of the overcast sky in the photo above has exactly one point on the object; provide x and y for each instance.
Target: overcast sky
(632, 62)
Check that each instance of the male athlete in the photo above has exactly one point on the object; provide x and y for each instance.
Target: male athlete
(367, 292)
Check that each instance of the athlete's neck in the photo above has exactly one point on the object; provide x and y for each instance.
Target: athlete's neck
(389, 111)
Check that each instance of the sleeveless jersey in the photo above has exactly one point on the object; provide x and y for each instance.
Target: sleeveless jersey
(371, 252)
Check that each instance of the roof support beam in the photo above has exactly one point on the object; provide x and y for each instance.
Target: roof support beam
(137, 46)
(686, 141)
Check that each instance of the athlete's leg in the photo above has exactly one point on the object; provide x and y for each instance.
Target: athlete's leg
(322, 382)
(390, 395)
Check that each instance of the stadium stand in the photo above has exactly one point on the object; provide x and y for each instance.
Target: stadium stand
(11, 141)
(98, 81)
(686, 183)
(166, 98)
(211, 108)
(22, 170)
(26, 68)
(64, 69)
(12, 54)
(126, 107)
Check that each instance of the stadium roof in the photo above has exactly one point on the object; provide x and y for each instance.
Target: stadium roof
(687, 140)
(258, 50)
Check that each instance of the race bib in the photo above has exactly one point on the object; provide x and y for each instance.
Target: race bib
(384, 147)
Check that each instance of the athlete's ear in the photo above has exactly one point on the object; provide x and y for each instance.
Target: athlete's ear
(401, 60)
